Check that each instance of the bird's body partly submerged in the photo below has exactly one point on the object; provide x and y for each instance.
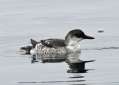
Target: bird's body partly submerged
(58, 49)
(50, 50)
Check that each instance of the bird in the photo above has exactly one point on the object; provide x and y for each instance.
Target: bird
(57, 50)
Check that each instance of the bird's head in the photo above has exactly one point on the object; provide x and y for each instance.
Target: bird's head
(76, 35)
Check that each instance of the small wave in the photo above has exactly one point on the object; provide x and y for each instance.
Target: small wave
(76, 77)
(53, 81)
(103, 48)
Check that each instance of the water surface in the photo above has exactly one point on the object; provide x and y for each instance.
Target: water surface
(21, 20)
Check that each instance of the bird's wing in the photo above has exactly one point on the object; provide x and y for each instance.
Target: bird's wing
(53, 42)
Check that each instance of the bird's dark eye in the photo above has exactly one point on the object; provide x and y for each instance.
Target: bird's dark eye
(77, 35)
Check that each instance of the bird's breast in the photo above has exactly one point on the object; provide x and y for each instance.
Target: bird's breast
(73, 53)
(74, 48)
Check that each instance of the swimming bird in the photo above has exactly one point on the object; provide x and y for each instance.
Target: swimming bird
(57, 50)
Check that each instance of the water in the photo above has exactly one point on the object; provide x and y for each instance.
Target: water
(21, 20)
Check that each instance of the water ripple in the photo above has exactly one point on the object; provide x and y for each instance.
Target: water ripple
(103, 48)
(53, 81)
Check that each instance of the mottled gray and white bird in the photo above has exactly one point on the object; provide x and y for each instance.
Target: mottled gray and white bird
(57, 50)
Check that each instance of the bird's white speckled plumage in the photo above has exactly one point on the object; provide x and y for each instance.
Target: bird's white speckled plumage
(45, 52)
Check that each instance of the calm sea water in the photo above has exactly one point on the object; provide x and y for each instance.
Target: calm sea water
(21, 20)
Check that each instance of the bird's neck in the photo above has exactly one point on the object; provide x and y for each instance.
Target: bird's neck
(73, 46)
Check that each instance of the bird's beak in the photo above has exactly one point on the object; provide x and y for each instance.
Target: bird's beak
(88, 37)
